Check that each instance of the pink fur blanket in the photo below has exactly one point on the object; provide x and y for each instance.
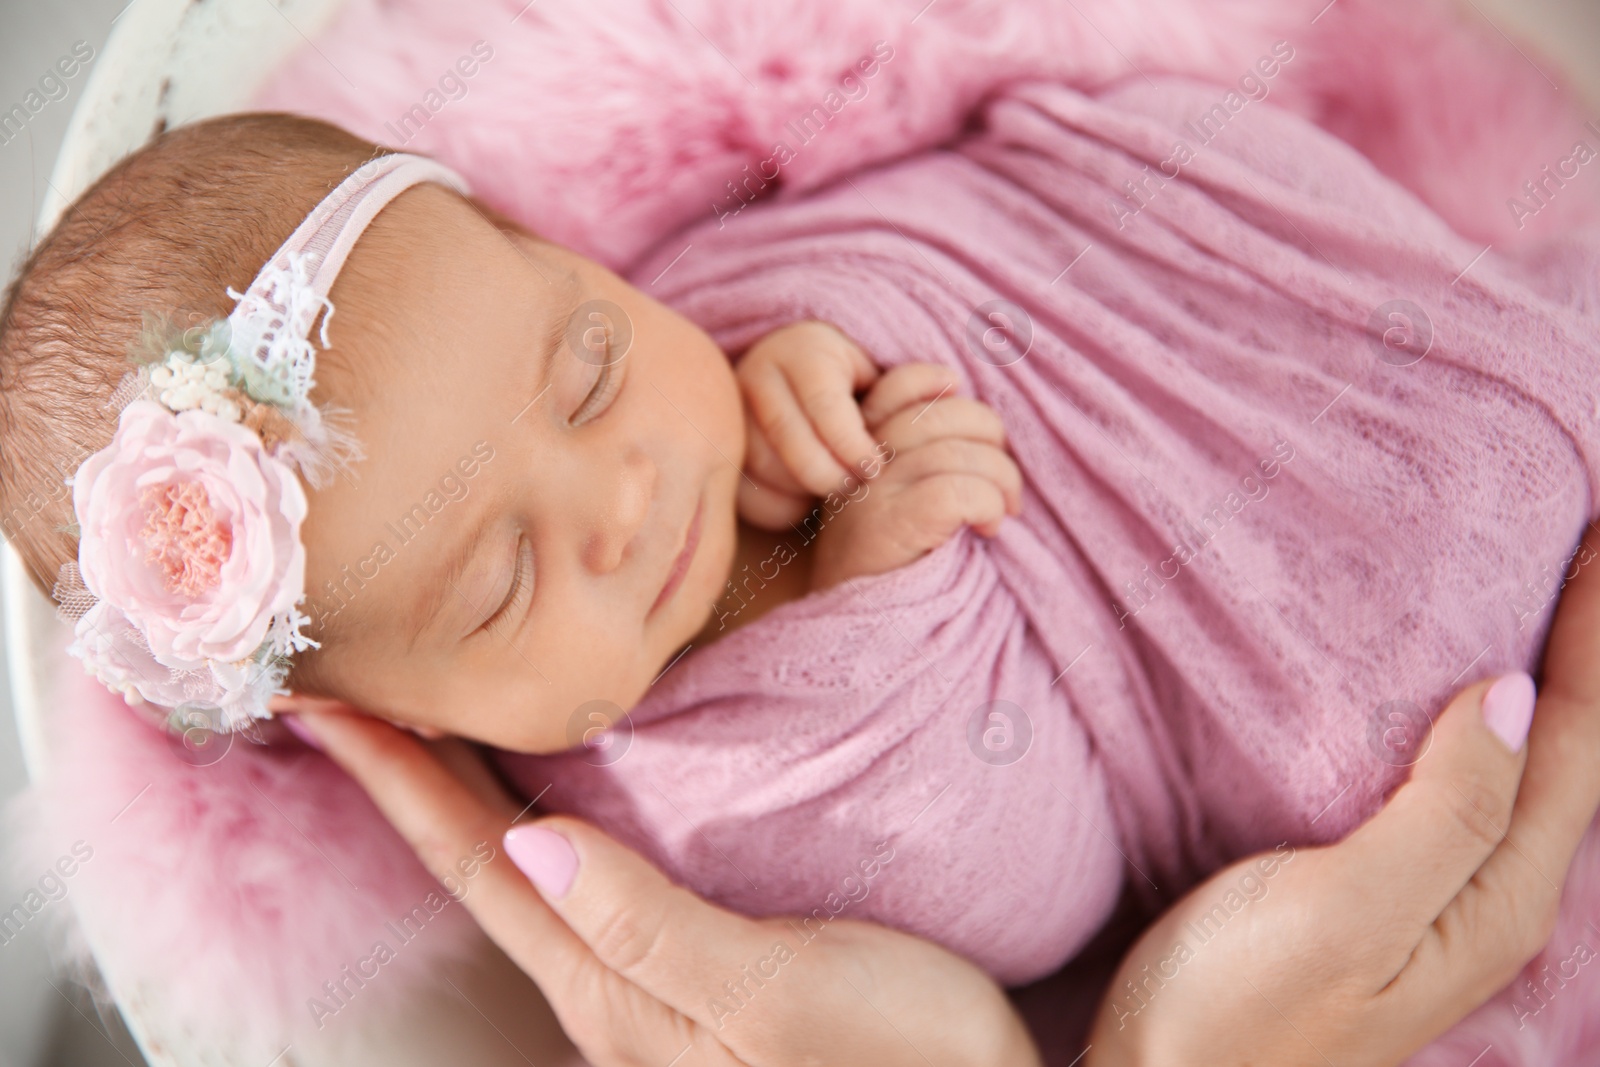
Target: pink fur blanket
(610, 126)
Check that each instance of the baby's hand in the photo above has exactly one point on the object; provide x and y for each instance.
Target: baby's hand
(806, 431)
(946, 467)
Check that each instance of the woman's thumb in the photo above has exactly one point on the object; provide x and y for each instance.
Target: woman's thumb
(1440, 827)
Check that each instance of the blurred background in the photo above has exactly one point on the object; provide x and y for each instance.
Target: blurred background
(46, 1016)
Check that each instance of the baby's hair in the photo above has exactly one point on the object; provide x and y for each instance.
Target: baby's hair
(164, 232)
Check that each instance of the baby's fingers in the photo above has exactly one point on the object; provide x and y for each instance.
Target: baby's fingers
(912, 385)
(930, 512)
(952, 416)
(955, 455)
(767, 508)
(830, 405)
(776, 407)
(765, 466)
(640, 927)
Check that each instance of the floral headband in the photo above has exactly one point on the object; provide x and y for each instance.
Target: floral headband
(190, 569)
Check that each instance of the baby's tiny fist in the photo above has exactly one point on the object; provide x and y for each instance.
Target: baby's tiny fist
(806, 429)
(941, 466)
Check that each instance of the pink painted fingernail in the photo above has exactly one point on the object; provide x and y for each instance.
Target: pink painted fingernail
(300, 730)
(546, 857)
(1508, 709)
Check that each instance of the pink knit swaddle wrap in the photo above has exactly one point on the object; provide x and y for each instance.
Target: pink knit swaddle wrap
(1254, 532)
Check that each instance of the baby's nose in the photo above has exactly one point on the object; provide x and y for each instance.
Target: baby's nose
(621, 515)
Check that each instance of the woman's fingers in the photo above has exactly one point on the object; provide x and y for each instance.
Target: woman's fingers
(1572, 655)
(464, 760)
(755, 987)
(1430, 840)
(1504, 917)
(663, 938)
(443, 820)
(611, 1019)
(1561, 789)
(409, 784)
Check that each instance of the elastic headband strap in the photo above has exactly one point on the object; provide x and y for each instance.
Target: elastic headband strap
(324, 240)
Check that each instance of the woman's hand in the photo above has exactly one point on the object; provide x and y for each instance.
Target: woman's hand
(1364, 951)
(640, 971)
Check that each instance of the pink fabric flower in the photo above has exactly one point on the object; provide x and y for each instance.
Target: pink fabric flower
(190, 530)
(115, 652)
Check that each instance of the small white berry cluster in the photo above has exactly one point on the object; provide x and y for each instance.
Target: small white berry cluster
(184, 383)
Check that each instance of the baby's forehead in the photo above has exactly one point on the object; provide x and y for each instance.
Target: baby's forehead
(436, 274)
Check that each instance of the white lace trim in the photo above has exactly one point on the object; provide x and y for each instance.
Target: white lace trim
(271, 324)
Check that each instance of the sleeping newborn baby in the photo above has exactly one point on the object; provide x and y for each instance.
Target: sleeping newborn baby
(636, 426)
(1261, 509)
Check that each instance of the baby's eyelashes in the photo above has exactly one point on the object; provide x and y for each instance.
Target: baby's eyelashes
(599, 341)
(517, 592)
(607, 383)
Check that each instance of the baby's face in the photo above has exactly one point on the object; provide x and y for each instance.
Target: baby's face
(534, 527)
